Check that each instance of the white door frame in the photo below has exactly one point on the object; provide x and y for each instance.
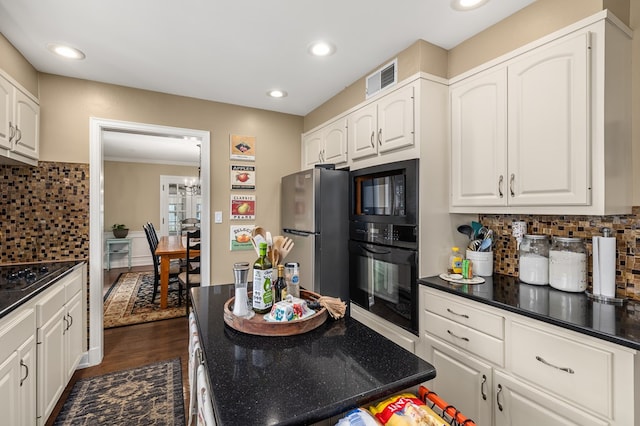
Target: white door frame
(96, 216)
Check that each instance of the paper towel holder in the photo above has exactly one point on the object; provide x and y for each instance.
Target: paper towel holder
(606, 232)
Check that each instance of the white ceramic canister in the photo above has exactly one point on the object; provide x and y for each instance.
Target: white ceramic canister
(533, 260)
(568, 264)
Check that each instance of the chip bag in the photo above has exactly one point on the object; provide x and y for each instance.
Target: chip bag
(358, 417)
(406, 409)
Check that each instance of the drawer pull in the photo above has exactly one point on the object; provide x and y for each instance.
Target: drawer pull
(565, 369)
(484, 394)
(498, 397)
(457, 337)
(457, 314)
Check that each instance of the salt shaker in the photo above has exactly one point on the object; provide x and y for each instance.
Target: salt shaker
(241, 302)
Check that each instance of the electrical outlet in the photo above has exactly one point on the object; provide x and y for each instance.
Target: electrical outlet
(218, 217)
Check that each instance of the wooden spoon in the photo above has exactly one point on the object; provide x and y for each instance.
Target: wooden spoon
(287, 245)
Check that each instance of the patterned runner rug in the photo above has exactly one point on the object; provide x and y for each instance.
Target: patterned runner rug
(129, 301)
(149, 395)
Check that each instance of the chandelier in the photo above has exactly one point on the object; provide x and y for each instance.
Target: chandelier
(191, 187)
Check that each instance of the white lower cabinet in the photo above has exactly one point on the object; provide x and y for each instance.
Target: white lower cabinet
(500, 368)
(60, 340)
(18, 369)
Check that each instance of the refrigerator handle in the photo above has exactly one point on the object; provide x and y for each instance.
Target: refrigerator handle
(299, 233)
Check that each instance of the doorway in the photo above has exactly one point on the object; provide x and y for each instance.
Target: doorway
(97, 127)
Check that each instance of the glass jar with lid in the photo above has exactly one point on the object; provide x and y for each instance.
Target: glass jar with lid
(534, 260)
(568, 264)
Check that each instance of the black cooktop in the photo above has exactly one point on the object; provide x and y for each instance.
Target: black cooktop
(20, 282)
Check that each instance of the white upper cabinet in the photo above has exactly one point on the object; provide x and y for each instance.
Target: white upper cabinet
(384, 125)
(325, 145)
(547, 130)
(19, 125)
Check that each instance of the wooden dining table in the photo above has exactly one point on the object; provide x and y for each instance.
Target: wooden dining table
(169, 248)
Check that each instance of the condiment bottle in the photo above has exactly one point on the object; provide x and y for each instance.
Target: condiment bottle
(280, 286)
(262, 271)
(292, 275)
(241, 302)
(455, 261)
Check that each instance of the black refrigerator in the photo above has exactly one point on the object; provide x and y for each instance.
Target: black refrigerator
(314, 214)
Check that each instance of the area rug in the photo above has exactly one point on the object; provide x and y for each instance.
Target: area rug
(149, 395)
(129, 301)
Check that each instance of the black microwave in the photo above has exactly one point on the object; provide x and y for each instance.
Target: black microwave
(386, 193)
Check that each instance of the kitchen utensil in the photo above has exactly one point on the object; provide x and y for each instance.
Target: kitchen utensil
(485, 244)
(474, 244)
(466, 230)
(285, 248)
(476, 227)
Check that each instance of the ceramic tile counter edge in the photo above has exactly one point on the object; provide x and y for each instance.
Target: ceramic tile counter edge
(619, 324)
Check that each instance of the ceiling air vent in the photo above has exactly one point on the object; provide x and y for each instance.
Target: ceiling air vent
(382, 78)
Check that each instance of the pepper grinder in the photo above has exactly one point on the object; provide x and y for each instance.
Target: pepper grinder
(241, 302)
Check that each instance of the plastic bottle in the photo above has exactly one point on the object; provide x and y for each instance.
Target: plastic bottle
(455, 261)
(262, 270)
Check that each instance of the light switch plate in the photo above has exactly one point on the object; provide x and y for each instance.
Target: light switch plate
(218, 217)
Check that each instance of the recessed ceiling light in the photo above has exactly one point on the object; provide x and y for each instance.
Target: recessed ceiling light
(467, 4)
(277, 93)
(321, 48)
(65, 51)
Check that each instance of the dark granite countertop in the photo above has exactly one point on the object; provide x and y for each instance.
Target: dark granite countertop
(12, 299)
(619, 324)
(258, 380)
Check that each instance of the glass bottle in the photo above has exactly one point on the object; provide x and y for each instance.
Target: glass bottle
(262, 271)
(280, 286)
(568, 264)
(292, 275)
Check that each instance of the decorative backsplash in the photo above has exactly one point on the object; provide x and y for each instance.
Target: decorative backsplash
(44, 212)
(626, 229)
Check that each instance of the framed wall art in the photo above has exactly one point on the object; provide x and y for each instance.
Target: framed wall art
(243, 177)
(243, 207)
(242, 148)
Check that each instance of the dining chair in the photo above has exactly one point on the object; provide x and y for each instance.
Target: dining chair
(189, 224)
(174, 267)
(190, 277)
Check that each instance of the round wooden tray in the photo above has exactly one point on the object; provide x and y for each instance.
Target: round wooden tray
(259, 326)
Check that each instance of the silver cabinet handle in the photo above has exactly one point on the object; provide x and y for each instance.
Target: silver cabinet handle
(466, 339)
(482, 392)
(373, 135)
(66, 327)
(19, 134)
(565, 369)
(70, 321)
(500, 181)
(26, 374)
(513, 177)
(380, 137)
(498, 397)
(457, 314)
(12, 132)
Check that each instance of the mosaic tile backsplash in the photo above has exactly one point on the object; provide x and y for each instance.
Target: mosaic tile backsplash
(44, 212)
(626, 229)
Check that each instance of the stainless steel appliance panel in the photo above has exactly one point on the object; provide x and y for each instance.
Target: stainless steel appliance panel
(298, 205)
(304, 252)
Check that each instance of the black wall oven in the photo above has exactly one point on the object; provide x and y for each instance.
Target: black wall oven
(383, 242)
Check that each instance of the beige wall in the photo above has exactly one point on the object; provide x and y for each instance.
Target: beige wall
(139, 203)
(420, 56)
(67, 104)
(14, 64)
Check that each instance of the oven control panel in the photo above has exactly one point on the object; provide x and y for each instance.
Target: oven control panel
(384, 233)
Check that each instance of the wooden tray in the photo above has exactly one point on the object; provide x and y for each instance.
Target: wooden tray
(259, 326)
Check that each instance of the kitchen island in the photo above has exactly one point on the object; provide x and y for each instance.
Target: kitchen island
(257, 380)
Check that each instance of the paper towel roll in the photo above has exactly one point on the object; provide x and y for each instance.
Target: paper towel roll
(604, 266)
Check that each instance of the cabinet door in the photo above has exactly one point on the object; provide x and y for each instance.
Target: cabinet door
(311, 149)
(335, 142)
(396, 120)
(9, 382)
(27, 115)
(363, 132)
(27, 384)
(517, 404)
(549, 138)
(51, 367)
(6, 113)
(462, 380)
(479, 140)
(73, 334)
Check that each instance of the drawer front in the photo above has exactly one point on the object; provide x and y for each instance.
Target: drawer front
(73, 283)
(15, 329)
(580, 373)
(479, 344)
(463, 313)
(50, 303)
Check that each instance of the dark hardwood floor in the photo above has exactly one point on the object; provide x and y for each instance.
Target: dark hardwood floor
(137, 345)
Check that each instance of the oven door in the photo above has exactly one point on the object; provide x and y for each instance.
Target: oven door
(383, 280)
